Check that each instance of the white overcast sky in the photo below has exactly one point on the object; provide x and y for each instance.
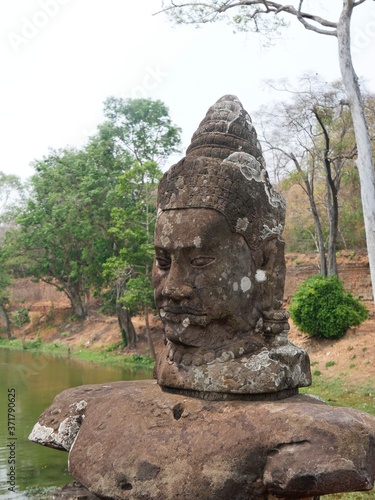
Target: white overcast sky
(61, 58)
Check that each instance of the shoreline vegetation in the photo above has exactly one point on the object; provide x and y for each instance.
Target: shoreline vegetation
(108, 356)
(333, 390)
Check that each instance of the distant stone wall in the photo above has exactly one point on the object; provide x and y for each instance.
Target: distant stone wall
(355, 276)
(39, 294)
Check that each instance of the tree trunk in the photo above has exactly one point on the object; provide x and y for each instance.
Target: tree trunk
(318, 229)
(127, 328)
(333, 214)
(76, 301)
(320, 238)
(365, 161)
(148, 334)
(333, 219)
(331, 197)
(5, 318)
(309, 189)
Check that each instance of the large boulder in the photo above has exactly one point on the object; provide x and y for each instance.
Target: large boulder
(132, 440)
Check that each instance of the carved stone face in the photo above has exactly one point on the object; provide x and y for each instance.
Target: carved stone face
(206, 279)
(219, 270)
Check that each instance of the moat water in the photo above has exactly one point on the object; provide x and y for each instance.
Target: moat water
(29, 381)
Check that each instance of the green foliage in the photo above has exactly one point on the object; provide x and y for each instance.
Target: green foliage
(21, 317)
(12, 192)
(96, 205)
(142, 127)
(351, 224)
(114, 347)
(33, 344)
(5, 277)
(105, 357)
(340, 392)
(62, 228)
(142, 360)
(330, 363)
(128, 272)
(298, 236)
(321, 308)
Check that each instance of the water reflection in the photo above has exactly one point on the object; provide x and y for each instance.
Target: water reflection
(37, 378)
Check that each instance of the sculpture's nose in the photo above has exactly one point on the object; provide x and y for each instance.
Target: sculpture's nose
(176, 286)
(181, 292)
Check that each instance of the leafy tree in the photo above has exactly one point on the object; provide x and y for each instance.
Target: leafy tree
(11, 192)
(5, 280)
(351, 226)
(254, 15)
(312, 138)
(321, 308)
(143, 129)
(62, 229)
(97, 205)
(135, 224)
(21, 317)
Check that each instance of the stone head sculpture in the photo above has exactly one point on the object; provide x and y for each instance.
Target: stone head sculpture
(219, 268)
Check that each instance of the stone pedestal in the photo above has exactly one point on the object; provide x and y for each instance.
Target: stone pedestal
(132, 440)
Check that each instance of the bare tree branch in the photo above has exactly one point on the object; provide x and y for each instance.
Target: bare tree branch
(270, 7)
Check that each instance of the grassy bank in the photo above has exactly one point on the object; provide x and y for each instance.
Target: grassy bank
(337, 392)
(111, 355)
(357, 495)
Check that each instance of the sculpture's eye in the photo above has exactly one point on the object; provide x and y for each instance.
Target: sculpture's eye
(163, 261)
(202, 261)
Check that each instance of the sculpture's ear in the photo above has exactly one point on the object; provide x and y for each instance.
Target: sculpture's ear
(273, 264)
(269, 251)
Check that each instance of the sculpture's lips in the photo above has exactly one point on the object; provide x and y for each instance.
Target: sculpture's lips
(182, 310)
(186, 316)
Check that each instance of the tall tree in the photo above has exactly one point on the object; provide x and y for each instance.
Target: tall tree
(70, 225)
(312, 137)
(12, 190)
(62, 229)
(5, 279)
(143, 129)
(252, 15)
(133, 224)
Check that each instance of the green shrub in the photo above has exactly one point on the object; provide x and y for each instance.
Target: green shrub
(20, 317)
(321, 308)
(330, 363)
(114, 347)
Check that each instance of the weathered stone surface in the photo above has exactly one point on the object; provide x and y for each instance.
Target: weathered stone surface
(136, 441)
(58, 425)
(219, 268)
